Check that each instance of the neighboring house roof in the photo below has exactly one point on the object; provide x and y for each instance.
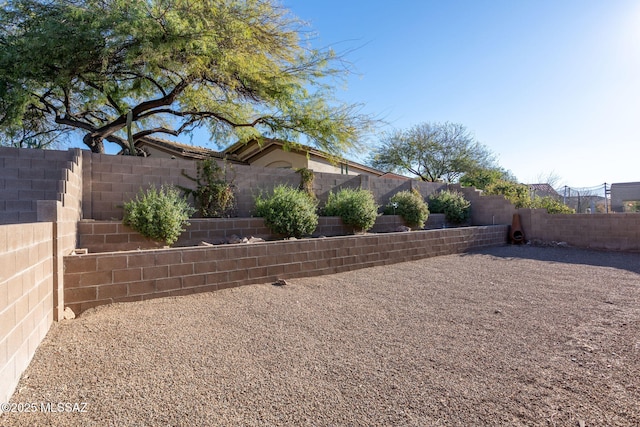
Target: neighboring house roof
(183, 151)
(394, 176)
(626, 186)
(249, 152)
(253, 149)
(543, 190)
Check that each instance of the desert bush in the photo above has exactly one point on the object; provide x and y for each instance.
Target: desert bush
(410, 206)
(158, 214)
(520, 196)
(356, 207)
(213, 195)
(452, 204)
(552, 205)
(288, 211)
(517, 194)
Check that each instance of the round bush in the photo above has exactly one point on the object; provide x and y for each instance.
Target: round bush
(357, 208)
(552, 205)
(158, 214)
(452, 204)
(288, 211)
(410, 206)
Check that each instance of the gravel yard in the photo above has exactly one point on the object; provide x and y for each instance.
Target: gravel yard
(512, 335)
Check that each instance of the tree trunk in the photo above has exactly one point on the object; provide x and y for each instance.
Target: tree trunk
(94, 143)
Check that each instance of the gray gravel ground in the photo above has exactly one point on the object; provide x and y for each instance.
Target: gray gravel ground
(506, 336)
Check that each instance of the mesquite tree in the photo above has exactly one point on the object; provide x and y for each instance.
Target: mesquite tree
(120, 70)
(432, 151)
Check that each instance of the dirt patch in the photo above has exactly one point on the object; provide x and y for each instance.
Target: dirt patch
(507, 336)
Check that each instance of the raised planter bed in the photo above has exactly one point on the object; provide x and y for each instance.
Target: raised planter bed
(96, 279)
(111, 236)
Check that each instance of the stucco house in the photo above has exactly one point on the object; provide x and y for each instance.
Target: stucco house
(625, 197)
(266, 153)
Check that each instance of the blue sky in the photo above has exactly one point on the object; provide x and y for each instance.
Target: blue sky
(550, 86)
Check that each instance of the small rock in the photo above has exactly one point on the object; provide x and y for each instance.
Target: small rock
(402, 228)
(581, 423)
(245, 240)
(280, 282)
(255, 240)
(496, 311)
(203, 243)
(68, 314)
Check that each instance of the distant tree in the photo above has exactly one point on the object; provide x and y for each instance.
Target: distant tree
(119, 70)
(517, 194)
(551, 178)
(432, 151)
(481, 178)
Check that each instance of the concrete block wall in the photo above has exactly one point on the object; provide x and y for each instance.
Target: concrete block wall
(251, 180)
(97, 279)
(26, 297)
(112, 236)
(619, 232)
(325, 183)
(27, 176)
(64, 213)
(486, 210)
(110, 181)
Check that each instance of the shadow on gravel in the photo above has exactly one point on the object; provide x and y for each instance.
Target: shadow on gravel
(620, 260)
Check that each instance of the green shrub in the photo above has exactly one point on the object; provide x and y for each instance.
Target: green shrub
(158, 214)
(213, 195)
(517, 194)
(452, 204)
(357, 208)
(552, 205)
(288, 211)
(410, 206)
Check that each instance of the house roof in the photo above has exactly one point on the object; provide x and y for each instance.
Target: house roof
(543, 190)
(184, 151)
(246, 152)
(254, 148)
(625, 185)
(393, 175)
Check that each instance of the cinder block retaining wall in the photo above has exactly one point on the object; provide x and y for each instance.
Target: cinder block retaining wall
(28, 176)
(489, 209)
(112, 236)
(110, 181)
(26, 297)
(619, 232)
(44, 186)
(97, 279)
